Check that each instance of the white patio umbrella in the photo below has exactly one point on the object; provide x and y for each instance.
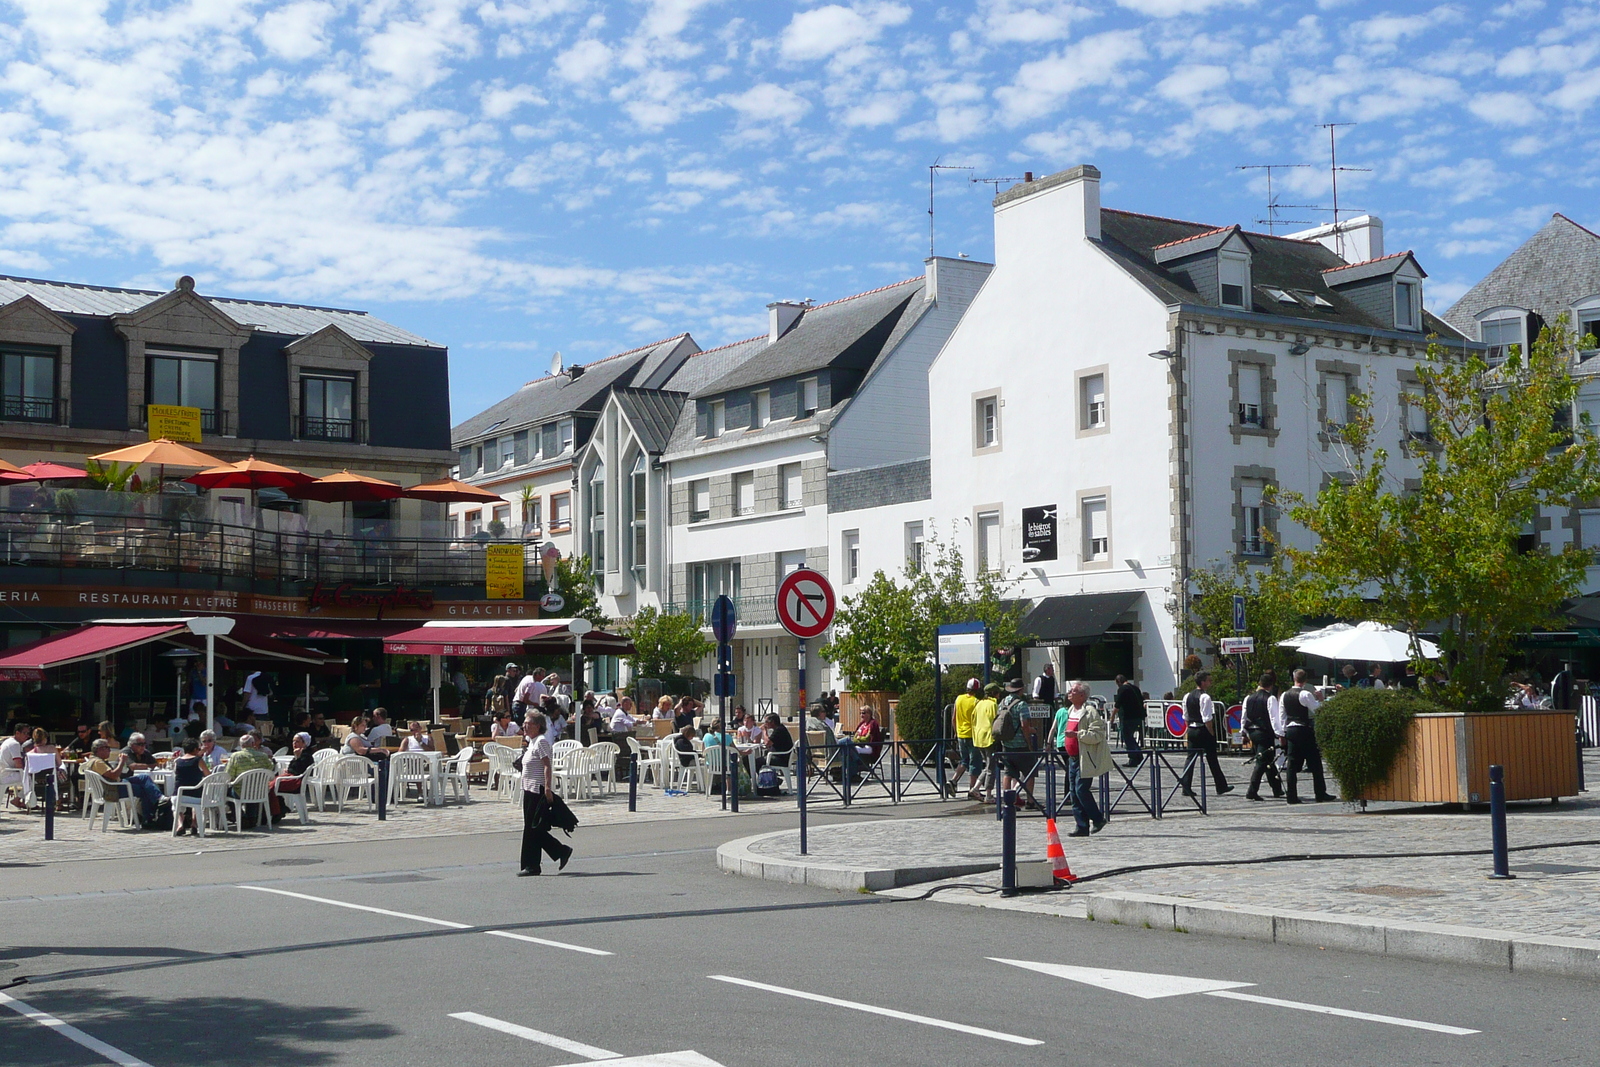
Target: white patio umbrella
(1371, 642)
(1311, 635)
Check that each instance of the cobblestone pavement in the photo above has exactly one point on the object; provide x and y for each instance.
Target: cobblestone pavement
(1554, 893)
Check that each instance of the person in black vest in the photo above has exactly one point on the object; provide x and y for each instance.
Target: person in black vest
(1129, 702)
(1044, 687)
(1200, 711)
(1300, 738)
(1261, 711)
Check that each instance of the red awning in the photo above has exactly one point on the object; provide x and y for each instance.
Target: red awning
(467, 640)
(332, 629)
(27, 662)
(546, 638)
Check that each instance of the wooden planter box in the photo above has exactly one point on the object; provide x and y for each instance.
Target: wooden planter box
(1446, 759)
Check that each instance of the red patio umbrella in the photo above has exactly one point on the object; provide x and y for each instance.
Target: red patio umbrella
(45, 471)
(345, 486)
(250, 474)
(451, 491)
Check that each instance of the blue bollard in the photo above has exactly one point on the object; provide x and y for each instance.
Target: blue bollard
(1008, 844)
(1050, 786)
(633, 781)
(800, 788)
(1155, 782)
(50, 806)
(1497, 822)
(383, 789)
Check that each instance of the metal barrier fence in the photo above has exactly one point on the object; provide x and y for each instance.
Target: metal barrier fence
(1588, 722)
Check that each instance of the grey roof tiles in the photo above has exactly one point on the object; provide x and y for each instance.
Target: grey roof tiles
(1556, 267)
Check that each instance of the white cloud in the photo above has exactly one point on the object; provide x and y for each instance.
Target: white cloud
(296, 31)
(703, 179)
(1505, 109)
(823, 31)
(1470, 179)
(501, 101)
(1025, 21)
(1074, 142)
(1164, 9)
(878, 109)
(767, 102)
(1386, 32)
(587, 61)
(1192, 84)
(1040, 87)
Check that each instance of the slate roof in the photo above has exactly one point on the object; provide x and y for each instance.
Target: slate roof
(703, 367)
(1275, 262)
(560, 394)
(1548, 273)
(294, 320)
(652, 413)
(850, 332)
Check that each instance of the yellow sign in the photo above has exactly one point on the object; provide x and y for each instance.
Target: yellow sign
(502, 572)
(174, 423)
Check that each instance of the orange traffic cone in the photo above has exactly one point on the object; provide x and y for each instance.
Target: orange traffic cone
(1056, 854)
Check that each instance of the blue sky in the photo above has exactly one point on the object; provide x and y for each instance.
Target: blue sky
(512, 177)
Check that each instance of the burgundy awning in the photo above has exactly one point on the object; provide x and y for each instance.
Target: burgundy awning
(28, 662)
(550, 637)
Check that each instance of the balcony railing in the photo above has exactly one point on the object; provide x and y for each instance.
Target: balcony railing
(748, 610)
(33, 409)
(170, 539)
(319, 429)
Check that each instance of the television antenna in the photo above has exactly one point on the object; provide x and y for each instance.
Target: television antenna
(1334, 169)
(994, 183)
(1272, 220)
(555, 364)
(932, 167)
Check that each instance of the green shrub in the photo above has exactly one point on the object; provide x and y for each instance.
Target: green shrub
(1363, 731)
(915, 716)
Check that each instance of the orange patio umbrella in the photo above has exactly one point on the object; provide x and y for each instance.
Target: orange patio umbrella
(163, 453)
(452, 491)
(10, 472)
(345, 486)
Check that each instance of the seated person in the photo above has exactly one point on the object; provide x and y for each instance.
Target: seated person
(140, 758)
(248, 757)
(318, 729)
(814, 722)
(12, 755)
(684, 743)
(379, 727)
(750, 731)
(589, 718)
(290, 779)
(556, 721)
(41, 780)
(416, 740)
(503, 726)
(622, 719)
(213, 754)
(122, 782)
(106, 731)
(713, 735)
(663, 709)
(780, 744)
(867, 741)
(188, 770)
(247, 725)
(685, 714)
(82, 741)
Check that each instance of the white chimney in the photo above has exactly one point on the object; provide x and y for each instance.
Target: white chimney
(1066, 205)
(782, 315)
(1352, 240)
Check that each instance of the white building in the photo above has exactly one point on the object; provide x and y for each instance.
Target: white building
(1140, 382)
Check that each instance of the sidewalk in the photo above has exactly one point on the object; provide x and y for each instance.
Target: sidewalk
(1438, 907)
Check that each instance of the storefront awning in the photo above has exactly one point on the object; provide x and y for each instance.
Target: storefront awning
(333, 629)
(28, 662)
(547, 637)
(1060, 620)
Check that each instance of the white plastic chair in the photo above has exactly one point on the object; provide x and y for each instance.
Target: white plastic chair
(785, 771)
(95, 799)
(693, 776)
(251, 787)
(561, 748)
(296, 802)
(407, 769)
(212, 801)
(605, 755)
(319, 785)
(324, 755)
(501, 775)
(455, 776)
(649, 765)
(570, 773)
(667, 757)
(358, 774)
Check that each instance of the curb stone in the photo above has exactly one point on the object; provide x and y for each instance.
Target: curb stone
(1567, 957)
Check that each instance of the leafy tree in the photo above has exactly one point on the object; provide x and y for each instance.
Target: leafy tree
(666, 643)
(1271, 613)
(884, 636)
(1449, 549)
(575, 584)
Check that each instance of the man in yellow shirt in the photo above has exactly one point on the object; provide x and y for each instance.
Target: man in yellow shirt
(966, 755)
(983, 741)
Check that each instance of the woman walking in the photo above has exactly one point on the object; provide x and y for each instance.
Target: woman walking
(537, 776)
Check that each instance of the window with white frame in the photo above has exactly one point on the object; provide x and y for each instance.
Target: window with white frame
(490, 450)
(808, 398)
(472, 523)
(1588, 405)
(1589, 529)
(1407, 306)
(719, 418)
(502, 515)
(508, 451)
(1499, 334)
(1336, 388)
(1587, 326)
(760, 408)
(533, 514)
(789, 562)
(707, 581)
(1233, 273)
(597, 519)
(564, 435)
(700, 500)
(789, 486)
(1092, 402)
(744, 493)
(638, 491)
(916, 548)
(986, 423)
(1417, 427)
(986, 531)
(1253, 541)
(1250, 412)
(851, 551)
(561, 511)
(1095, 524)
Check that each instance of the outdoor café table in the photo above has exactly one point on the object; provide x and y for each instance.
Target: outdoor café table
(39, 763)
(435, 773)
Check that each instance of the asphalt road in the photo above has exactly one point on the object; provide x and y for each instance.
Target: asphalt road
(643, 948)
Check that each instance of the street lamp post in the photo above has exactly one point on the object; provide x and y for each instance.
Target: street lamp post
(209, 626)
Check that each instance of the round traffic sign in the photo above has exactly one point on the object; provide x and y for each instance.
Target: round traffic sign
(1177, 724)
(1235, 718)
(805, 603)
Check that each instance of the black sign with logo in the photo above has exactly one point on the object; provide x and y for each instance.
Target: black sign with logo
(1039, 534)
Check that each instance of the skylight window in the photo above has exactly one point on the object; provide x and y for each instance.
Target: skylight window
(496, 426)
(1280, 295)
(1310, 298)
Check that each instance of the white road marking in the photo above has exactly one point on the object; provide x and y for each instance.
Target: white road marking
(1416, 1024)
(545, 941)
(71, 1033)
(358, 907)
(873, 1010)
(687, 1058)
(577, 1048)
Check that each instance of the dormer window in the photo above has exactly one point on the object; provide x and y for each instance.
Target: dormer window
(1233, 273)
(1407, 305)
(719, 418)
(1499, 333)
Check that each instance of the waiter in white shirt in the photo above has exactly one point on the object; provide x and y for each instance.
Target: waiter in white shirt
(529, 692)
(1200, 711)
(1261, 715)
(1300, 738)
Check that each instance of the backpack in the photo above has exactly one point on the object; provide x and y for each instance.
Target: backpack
(767, 783)
(1010, 722)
